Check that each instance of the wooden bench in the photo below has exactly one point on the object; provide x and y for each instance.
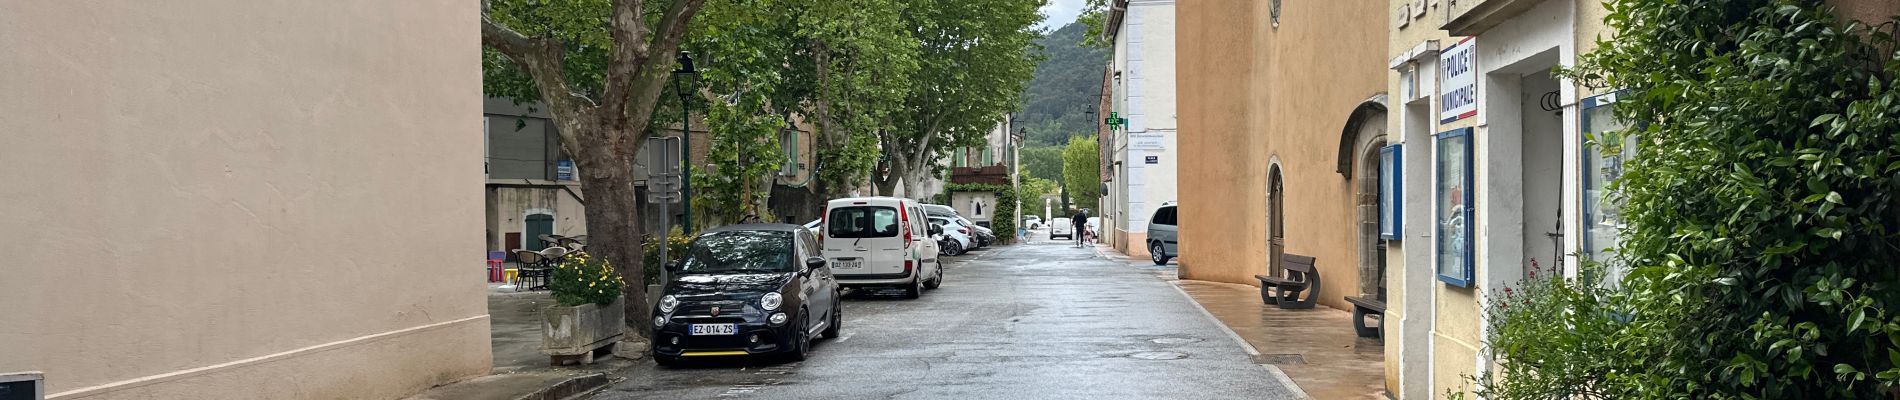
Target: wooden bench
(1361, 307)
(1285, 291)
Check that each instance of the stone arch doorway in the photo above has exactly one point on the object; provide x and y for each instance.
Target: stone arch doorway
(1360, 142)
(1372, 263)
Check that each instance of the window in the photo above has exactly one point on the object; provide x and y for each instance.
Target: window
(812, 248)
(1605, 150)
(862, 222)
(523, 148)
(1390, 182)
(739, 251)
(788, 146)
(1454, 212)
(1164, 216)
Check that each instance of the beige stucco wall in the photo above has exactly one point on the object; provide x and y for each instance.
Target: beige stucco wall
(1866, 11)
(1253, 95)
(241, 199)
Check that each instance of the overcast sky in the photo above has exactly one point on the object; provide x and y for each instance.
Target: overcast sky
(1060, 12)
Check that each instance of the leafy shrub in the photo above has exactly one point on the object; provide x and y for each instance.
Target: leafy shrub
(582, 278)
(1760, 211)
(676, 246)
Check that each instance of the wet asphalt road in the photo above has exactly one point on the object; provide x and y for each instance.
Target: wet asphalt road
(1033, 321)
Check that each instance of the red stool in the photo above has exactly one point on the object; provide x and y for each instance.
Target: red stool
(496, 261)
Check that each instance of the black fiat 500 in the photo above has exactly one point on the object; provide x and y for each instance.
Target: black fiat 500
(745, 290)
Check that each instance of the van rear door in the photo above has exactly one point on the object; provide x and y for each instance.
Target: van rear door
(864, 239)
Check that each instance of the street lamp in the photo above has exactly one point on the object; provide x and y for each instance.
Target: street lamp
(684, 83)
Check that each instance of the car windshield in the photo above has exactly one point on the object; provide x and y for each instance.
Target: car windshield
(862, 222)
(739, 251)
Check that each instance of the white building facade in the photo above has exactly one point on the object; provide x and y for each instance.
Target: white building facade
(1142, 161)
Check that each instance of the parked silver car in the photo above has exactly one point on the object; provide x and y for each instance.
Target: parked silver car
(1163, 235)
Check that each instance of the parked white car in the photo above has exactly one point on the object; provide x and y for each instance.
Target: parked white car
(959, 234)
(1032, 222)
(981, 235)
(881, 242)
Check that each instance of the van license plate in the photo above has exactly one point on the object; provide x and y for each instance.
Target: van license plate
(712, 329)
(850, 264)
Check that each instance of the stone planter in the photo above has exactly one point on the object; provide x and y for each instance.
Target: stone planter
(577, 333)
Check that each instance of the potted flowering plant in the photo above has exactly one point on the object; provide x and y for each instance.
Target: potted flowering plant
(589, 316)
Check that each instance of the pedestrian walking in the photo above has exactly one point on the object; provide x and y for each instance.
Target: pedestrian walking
(1080, 224)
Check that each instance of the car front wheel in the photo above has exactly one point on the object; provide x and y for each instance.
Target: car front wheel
(801, 338)
(1160, 257)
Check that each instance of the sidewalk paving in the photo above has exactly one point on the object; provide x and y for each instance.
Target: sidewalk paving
(1317, 347)
(521, 372)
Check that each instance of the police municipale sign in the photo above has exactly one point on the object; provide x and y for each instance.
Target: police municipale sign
(1458, 81)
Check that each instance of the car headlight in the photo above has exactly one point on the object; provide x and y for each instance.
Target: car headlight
(771, 301)
(777, 318)
(667, 303)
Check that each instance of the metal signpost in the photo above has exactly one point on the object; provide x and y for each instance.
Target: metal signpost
(663, 188)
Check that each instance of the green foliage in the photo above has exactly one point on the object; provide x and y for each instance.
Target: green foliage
(1066, 86)
(841, 66)
(676, 242)
(1569, 360)
(1094, 16)
(1031, 189)
(581, 25)
(1081, 170)
(1044, 162)
(975, 57)
(582, 279)
(1760, 213)
(1004, 223)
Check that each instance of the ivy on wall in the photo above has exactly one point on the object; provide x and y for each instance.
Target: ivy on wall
(1004, 224)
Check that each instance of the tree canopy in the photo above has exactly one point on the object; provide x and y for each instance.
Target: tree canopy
(837, 67)
(974, 58)
(1081, 172)
(1044, 162)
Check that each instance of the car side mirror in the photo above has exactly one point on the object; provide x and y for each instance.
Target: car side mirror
(672, 266)
(812, 264)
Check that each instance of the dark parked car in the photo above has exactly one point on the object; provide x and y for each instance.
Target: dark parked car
(745, 290)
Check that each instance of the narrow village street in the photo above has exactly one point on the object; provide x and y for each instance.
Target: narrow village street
(1037, 320)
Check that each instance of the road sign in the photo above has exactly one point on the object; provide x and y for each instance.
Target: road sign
(663, 170)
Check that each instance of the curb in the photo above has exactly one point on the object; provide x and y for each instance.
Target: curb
(571, 387)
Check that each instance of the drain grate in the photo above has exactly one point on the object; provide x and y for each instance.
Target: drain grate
(1174, 340)
(1158, 355)
(1279, 359)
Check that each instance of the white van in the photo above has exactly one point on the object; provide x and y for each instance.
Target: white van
(881, 242)
(1062, 228)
